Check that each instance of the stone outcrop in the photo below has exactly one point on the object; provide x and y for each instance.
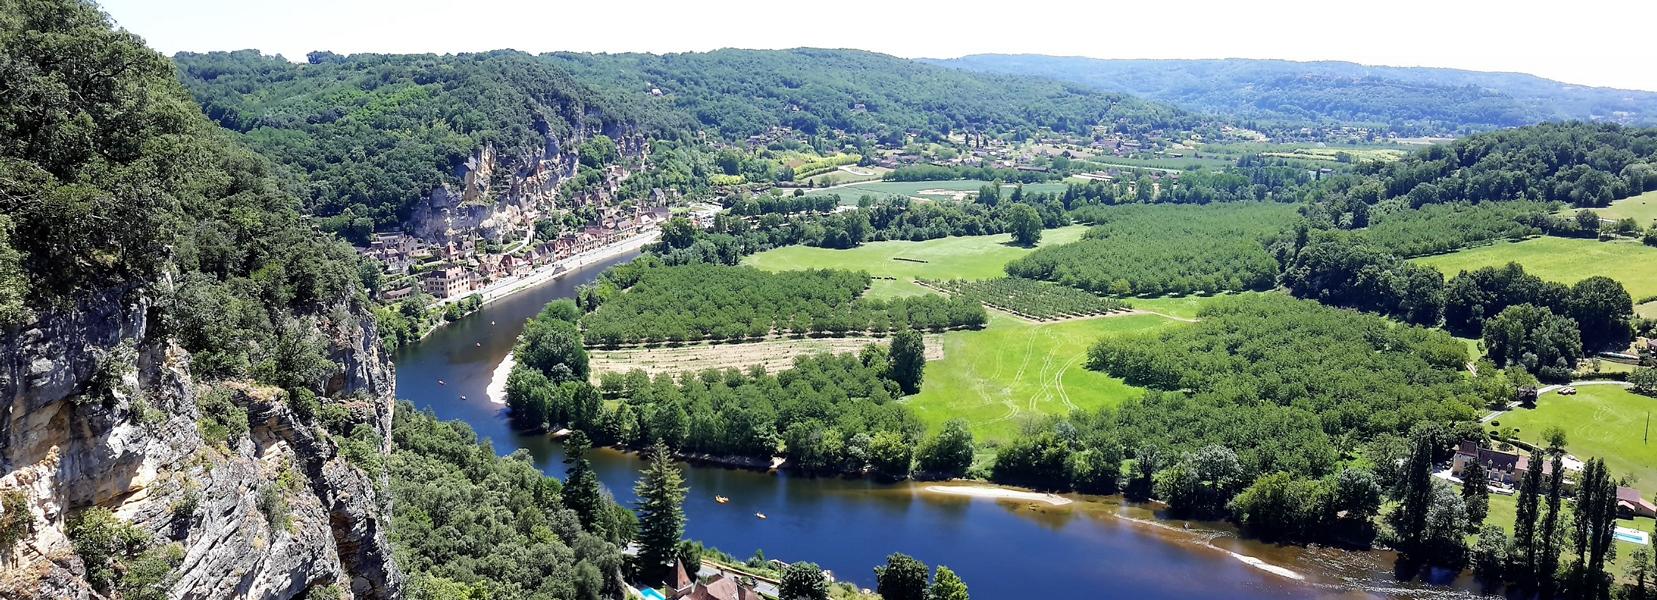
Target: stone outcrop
(500, 194)
(96, 409)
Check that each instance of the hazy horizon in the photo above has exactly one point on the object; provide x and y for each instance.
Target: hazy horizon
(1411, 33)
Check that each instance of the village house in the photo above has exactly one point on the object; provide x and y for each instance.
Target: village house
(718, 587)
(1631, 504)
(449, 281)
(1506, 468)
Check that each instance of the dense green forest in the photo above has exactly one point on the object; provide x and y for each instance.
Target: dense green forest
(364, 137)
(110, 179)
(471, 524)
(1279, 94)
(1437, 228)
(643, 302)
(1165, 249)
(739, 93)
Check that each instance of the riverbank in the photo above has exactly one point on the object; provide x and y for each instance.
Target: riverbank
(553, 270)
(997, 493)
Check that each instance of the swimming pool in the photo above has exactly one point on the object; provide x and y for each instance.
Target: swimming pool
(1634, 536)
(652, 594)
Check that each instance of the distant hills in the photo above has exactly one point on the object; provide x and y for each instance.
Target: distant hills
(1406, 100)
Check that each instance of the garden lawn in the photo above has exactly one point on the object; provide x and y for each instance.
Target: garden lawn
(1566, 260)
(969, 257)
(1604, 421)
(1012, 370)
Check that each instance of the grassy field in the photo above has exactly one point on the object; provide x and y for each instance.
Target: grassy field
(881, 189)
(1602, 421)
(975, 257)
(774, 355)
(1566, 260)
(1642, 208)
(1011, 370)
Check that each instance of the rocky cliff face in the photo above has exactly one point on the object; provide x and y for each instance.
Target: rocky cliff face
(499, 194)
(98, 409)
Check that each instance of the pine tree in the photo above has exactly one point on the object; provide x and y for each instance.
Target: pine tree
(1475, 493)
(947, 586)
(661, 491)
(581, 492)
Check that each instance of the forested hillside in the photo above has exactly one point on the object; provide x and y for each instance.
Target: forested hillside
(738, 93)
(368, 135)
(1409, 101)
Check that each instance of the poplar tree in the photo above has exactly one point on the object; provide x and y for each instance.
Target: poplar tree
(1524, 520)
(1595, 525)
(908, 360)
(1548, 538)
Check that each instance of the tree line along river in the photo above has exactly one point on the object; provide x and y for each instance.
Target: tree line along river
(1096, 547)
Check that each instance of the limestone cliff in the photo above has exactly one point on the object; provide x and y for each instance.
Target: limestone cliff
(501, 194)
(99, 408)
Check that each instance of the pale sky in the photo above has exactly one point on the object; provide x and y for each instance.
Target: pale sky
(1592, 42)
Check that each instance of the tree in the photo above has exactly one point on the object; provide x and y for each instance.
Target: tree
(1531, 336)
(948, 454)
(1642, 572)
(890, 455)
(803, 581)
(1644, 380)
(1548, 537)
(901, 578)
(1526, 539)
(1409, 520)
(1025, 223)
(553, 347)
(947, 586)
(1602, 309)
(1490, 554)
(661, 491)
(908, 360)
(581, 491)
(1475, 492)
(1593, 529)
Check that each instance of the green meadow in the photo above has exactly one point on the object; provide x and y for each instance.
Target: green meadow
(971, 257)
(1641, 208)
(1566, 260)
(1013, 370)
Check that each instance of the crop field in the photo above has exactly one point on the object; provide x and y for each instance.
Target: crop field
(1012, 370)
(849, 174)
(774, 355)
(1606, 421)
(954, 189)
(1031, 299)
(1566, 260)
(972, 257)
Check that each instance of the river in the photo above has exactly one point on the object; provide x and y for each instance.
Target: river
(1004, 550)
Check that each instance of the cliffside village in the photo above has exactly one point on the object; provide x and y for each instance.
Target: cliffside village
(463, 240)
(458, 267)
